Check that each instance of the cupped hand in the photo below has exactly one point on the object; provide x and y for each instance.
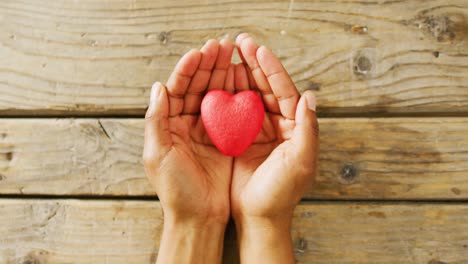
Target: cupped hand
(270, 178)
(190, 176)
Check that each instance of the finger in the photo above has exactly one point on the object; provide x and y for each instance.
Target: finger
(218, 77)
(281, 84)
(241, 81)
(252, 84)
(239, 40)
(249, 50)
(305, 140)
(199, 82)
(229, 83)
(179, 80)
(306, 132)
(157, 136)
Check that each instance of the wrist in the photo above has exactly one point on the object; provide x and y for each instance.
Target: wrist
(263, 228)
(265, 239)
(252, 221)
(197, 221)
(217, 212)
(188, 241)
(194, 224)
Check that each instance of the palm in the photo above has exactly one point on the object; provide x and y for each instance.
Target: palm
(259, 174)
(253, 182)
(199, 175)
(190, 175)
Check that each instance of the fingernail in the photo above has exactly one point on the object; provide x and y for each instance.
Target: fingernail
(155, 90)
(311, 101)
(244, 36)
(243, 33)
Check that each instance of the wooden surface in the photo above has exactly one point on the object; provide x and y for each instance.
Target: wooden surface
(71, 231)
(391, 78)
(379, 158)
(362, 57)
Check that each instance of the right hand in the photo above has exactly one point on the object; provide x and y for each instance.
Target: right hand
(190, 176)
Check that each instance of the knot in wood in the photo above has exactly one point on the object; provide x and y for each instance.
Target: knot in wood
(31, 261)
(35, 257)
(362, 65)
(443, 27)
(9, 156)
(300, 245)
(313, 86)
(438, 26)
(163, 37)
(349, 173)
(359, 29)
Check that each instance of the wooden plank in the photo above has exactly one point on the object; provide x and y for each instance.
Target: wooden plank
(361, 158)
(73, 231)
(101, 57)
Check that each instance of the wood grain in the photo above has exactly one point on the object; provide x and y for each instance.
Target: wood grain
(100, 57)
(74, 231)
(361, 158)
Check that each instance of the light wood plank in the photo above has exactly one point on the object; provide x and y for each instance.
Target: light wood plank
(361, 158)
(100, 57)
(73, 231)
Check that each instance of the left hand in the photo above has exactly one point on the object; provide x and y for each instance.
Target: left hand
(270, 178)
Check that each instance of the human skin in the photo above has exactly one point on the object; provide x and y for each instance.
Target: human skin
(191, 177)
(199, 188)
(270, 178)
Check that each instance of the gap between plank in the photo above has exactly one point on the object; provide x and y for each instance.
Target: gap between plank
(319, 114)
(155, 198)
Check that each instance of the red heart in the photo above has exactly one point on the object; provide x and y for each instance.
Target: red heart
(232, 121)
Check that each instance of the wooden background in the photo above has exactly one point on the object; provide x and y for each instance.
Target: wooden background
(391, 79)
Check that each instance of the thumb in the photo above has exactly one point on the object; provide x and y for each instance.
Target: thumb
(157, 135)
(306, 133)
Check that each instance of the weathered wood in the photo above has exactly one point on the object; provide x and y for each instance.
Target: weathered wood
(101, 57)
(361, 158)
(72, 231)
(57, 231)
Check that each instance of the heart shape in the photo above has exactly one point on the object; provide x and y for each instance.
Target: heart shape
(232, 121)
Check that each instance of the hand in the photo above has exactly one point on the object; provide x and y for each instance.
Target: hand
(190, 176)
(270, 178)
